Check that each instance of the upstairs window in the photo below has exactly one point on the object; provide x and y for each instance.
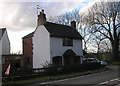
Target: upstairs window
(67, 42)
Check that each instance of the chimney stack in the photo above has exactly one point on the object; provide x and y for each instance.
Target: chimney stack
(41, 18)
(73, 24)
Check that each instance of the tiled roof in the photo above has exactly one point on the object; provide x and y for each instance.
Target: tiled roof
(29, 35)
(2, 30)
(58, 30)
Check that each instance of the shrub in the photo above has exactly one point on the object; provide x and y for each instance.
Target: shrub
(51, 69)
(115, 63)
(81, 67)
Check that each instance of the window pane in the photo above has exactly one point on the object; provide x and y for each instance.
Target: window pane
(70, 42)
(67, 42)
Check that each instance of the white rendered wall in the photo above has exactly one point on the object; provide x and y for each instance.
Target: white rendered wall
(57, 48)
(5, 44)
(41, 47)
(0, 60)
(4, 50)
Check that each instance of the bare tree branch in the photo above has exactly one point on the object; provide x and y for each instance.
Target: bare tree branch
(105, 19)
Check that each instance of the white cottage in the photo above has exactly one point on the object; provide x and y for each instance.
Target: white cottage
(4, 47)
(4, 42)
(55, 43)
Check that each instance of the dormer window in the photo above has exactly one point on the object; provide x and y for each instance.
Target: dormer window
(67, 42)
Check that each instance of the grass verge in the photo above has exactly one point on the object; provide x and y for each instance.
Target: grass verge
(114, 63)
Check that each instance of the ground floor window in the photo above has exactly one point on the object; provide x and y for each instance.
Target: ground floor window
(57, 60)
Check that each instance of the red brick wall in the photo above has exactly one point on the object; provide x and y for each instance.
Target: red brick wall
(28, 52)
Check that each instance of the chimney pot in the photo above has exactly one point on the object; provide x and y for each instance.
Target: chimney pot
(41, 18)
(42, 11)
(73, 24)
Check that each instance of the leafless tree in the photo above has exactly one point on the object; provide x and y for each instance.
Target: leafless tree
(66, 19)
(97, 38)
(104, 17)
(17, 53)
(105, 46)
(84, 31)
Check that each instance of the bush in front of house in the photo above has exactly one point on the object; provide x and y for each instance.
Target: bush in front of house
(55, 70)
(81, 67)
(51, 69)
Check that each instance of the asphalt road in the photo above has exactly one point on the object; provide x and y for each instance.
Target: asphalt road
(97, 79)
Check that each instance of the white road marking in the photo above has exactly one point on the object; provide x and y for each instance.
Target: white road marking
(72, 79)
(104, 82)
(114, 79)
(68, 79)
(107, 82)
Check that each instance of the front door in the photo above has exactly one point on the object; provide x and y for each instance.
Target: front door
(69, 56)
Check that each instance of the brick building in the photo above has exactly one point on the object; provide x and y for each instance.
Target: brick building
(28, 50)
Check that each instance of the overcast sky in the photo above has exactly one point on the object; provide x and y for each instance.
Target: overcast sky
(20, 18)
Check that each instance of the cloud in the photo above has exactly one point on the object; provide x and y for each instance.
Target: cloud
(23, 15)
(42, 0)
(57, 8)
(17, 16)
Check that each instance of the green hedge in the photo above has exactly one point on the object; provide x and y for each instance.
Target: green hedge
(72, 68)
(53, 70)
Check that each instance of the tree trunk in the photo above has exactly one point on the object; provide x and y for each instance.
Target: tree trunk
(115, 45)
(98, 50)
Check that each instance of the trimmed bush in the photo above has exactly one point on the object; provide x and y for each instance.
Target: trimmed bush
(54, 70)
(81, 67)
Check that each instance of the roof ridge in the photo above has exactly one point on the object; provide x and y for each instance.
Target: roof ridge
(59, 24)
(2, 30)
